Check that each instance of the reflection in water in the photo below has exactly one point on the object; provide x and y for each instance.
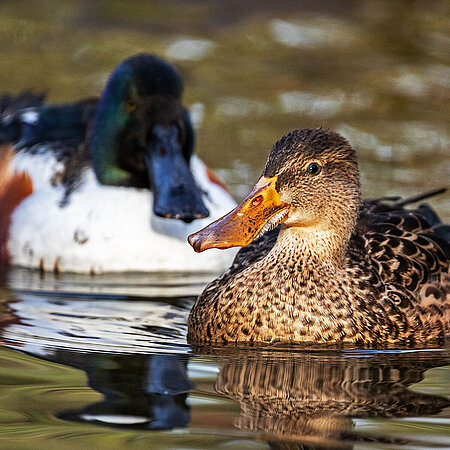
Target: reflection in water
(134, 353)
(313, 397)
(139, 391)
(293, 398)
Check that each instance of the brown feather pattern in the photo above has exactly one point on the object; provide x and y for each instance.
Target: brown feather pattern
(391, 283)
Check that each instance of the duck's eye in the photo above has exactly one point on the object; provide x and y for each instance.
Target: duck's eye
(314, 169)
(130, 105)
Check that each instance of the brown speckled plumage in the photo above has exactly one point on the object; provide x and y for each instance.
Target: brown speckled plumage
(337, 269)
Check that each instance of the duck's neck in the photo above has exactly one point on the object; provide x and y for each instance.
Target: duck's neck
(307, 248)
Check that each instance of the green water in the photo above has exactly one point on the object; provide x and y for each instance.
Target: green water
(103, 362)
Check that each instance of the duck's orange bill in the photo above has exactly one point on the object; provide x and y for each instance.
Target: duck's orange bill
(241, 225)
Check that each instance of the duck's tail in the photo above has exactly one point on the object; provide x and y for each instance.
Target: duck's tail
(14, 187)
(419, 197)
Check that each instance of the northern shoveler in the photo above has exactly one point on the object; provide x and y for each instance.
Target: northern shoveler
(336, 269)
(108, 185)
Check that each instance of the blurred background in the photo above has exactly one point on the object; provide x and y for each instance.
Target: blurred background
(377, 71)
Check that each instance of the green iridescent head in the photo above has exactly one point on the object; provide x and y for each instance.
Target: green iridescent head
(142, 136)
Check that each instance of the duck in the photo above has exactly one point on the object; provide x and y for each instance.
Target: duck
(110, 184)
(318, 265)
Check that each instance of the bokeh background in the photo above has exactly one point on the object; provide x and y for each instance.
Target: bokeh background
(378, 71)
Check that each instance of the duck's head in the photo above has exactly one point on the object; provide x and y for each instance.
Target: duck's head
(142, 136)
(310, 183)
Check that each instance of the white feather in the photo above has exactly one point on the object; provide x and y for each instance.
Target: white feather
(107, 229)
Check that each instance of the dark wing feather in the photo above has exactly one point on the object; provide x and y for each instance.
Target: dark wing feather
(65, 123)
(10, 104)
(26, 120)
(409, 264)
(403, 242)
(10, 120)
(33, 126)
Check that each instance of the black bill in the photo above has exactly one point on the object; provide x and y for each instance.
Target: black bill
(175, 193)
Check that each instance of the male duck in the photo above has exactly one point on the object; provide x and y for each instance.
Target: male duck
(70, 203)
(337, 270)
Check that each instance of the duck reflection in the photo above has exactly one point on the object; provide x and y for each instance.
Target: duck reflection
(306, 399)
(305, 396)
(144, 391)
(140, 391)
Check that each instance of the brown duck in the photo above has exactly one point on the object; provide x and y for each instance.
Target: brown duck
(335, 270)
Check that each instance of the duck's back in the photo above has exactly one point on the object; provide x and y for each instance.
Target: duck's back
(403, 256)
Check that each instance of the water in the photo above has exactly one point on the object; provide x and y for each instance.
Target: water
(102, 362)
(97, 369)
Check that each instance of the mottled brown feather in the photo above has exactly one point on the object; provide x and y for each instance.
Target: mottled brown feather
(381, 277)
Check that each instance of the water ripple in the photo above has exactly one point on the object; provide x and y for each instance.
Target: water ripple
(94, 323)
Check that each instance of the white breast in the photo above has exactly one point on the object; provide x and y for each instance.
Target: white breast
(106, 229)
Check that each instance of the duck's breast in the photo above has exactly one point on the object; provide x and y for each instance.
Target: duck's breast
(102, 228)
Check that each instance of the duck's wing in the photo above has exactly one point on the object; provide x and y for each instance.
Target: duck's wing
(408, 247)
(10, 118)
(63, 124)
(26, 120)
(408, 260)
(26, 99)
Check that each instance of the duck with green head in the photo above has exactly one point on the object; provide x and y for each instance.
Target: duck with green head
(335, 270)
(120, 195)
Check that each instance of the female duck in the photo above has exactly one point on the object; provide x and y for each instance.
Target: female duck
(336, 271)
(70, 204)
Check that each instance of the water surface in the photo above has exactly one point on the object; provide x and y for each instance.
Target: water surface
(102, 369)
